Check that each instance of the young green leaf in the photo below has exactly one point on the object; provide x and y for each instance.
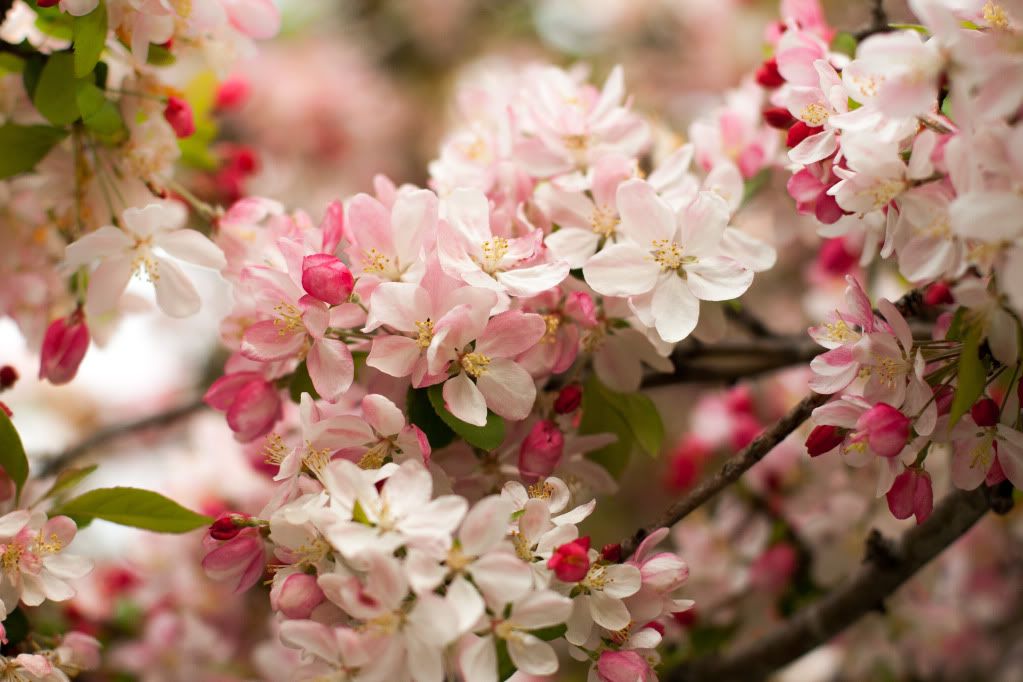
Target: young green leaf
(68, 479)
(25, 146)
(971, 377)
(55, 95)
(89, 33)
(301, 383)
(133, 507)
(484, 437)
(599, 416)
(12, 453)
(422, 414)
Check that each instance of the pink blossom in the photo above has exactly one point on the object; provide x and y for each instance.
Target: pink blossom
(296, 596)
(623, 666)
(240, 560)
(178, 113)
(40, 569)
(252, 404)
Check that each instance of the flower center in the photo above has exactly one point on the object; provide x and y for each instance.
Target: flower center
(884, 192)
(604, 221)
(274, 449)
(475, 364)
(11, 557)
(522, 547)
(540, 491)
(553, 322)
(288, 318)
(995, 15)
(375, 457)
(839, 331)
(596, 578)
(491, 253)
(814, 114)
(316, 460)
(457, 559)
(668, 255)
(374, 262)
(424, 331)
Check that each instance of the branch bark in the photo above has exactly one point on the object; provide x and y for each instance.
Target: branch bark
(731, 471)
(56, 462)
(887, 566)
(735, 360)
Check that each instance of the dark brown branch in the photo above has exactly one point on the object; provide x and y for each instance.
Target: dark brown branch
(734, 360)
(878, 21)
(887, 566)
(731, 471)
(58, 461)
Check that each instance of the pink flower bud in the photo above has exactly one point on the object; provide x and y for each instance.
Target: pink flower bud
(8, 377)
(64, 346)
(240, 559)
(911, 495)
(325, 277)
(886, 429)
(835, 258)
(571, 561)
(938, 293)
(232, 93)
(80, 650)
(251, 403)
(581, 307)
(943, 396)
(179, 114)
(686, 462)
(778, 117)
(541, 450)
(569, 399)
(985, 412)
(824, 438)
(773, 569)
(623, 666)
(296, 596)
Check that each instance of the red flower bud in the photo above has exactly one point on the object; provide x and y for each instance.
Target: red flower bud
(834, 258)
(325, 277)
(824, 438)
(938, 293)
(64, 347)
(8, 377)
(179, 114)
(612, 552)
(541, 451)
(685, 463)
(47, 3)
(985, 412)
(799, 132)
(778, 117)
(571, 562)
(767, 74)
(225, 527)
(569, 399)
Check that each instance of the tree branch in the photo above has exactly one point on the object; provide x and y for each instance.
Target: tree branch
(734, 360)
(887, 566)
(878, 21)
(731, 471)
(58, 461)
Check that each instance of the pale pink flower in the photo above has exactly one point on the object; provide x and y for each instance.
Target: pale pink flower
(982, 440)
(386, 243)
(601, 599)
(839, 366)
(334, 651)
(735, 133)
(486, 374)
(621, 666)
(814, 105)
(150, 235)
(895, 74)
(529, 653)
(668, 261)
(511, 266)
(39, 569)
(661, 574)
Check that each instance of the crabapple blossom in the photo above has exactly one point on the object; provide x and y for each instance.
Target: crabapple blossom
(35, 566)
(63, 349)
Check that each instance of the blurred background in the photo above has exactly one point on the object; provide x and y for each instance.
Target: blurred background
(352, 89)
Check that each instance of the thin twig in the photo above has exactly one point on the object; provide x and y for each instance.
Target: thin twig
(878, 21)
(734, 360)
(731, 471)
(887, 566)
(748, 321)
(56, 462)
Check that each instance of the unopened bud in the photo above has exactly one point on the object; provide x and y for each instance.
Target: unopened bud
(569, 399)
(64, 347)
(179, 114)
(325, 277)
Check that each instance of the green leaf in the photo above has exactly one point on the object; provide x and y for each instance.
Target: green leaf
(53, 22)
(68, 479)
(845, 43)
(160, 56)
(25, 146)
(484, 437)
(505, 667)
(971, 377)
(955, 328)
(12, 452)
(639, 413)
(11, 63)
(301, 383)
(134, 507)
(551, 633)
(422, 414)
(598, 416)
(30, 74)
(55, 95)
(89, 33)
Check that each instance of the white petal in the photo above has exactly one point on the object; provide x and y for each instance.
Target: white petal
(621, 270)
(675, 309)
(175, 293)
(464, 400)
(192, 247)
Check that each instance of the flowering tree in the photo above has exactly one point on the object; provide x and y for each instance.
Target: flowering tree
(435, 386)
